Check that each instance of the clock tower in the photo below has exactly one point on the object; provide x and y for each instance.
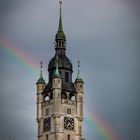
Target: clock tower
(60, 101)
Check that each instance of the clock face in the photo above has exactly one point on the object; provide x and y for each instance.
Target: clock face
(69, 123)
(47, 124)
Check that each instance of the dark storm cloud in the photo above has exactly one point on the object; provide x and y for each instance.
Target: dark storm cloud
(108, 31)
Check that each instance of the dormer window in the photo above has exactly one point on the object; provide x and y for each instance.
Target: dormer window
(66, 77)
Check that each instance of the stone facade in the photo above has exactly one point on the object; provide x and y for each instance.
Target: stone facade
(60, 101)
(56, 109)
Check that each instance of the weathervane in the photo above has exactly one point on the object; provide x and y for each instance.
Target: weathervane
(41, 65)
(78, 66)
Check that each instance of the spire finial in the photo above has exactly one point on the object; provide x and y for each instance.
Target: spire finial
(41, 66)
(78, 65)
(60, 19)
(78, 75)
(41, 79)
(60, 35)
(78, 78)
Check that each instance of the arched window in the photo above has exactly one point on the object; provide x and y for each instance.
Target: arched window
(69, 111)
(66, 77)
(64, 96)
(47, 137)
(68, 137)
(73, 98)
(47, 98)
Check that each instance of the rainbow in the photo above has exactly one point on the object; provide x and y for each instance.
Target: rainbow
(18, 55)
(103, 130)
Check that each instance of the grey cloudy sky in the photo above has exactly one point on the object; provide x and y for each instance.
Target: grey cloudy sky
(103, 34)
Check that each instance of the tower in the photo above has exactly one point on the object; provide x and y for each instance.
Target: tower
(60, 101)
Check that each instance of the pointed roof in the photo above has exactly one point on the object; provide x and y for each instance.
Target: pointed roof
(41, 79)
(60, 35)
(78, 78)
(60, 28)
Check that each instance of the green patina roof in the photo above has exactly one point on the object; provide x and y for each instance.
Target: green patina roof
(41, 79)
(78, 78)
(63, 62)
(60, 33)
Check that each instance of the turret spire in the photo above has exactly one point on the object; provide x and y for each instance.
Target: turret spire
(41, 66)
(78, 75)
(60, 18)
(41, 79)
(78, 78)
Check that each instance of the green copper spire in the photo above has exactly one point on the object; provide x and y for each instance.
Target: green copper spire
(78, 78)
(60, 18)
(78, 75)
(41, 79)
(56, 73)
(60, 35)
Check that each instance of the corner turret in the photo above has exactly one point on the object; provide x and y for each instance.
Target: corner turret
(41, 79)
(40, 88)
(78, 78)
(79, 100)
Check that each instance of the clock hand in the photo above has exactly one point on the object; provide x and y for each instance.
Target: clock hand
(70, 125)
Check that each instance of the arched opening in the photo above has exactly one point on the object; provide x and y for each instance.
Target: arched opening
(69, 111)
(47, 98)
(47, 137)
(71, 97)
(64, 95)
(66, 77)
(68, 137)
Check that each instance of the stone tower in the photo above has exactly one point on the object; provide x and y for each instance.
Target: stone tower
(60, 101)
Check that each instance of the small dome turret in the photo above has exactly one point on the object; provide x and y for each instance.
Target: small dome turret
(63, 62)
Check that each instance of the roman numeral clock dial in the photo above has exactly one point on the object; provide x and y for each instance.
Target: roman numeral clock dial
(69, 123)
